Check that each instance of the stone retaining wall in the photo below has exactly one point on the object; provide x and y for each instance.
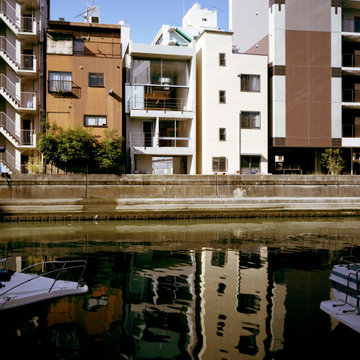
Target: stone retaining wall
(176, 186)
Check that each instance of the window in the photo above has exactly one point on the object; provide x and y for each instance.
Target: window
(219, 164)
(222, 134)
(250, 164)
(60, 82)
(250, 120)
(79, 47)
(96, 80)
(95, 120)
(222, 59)
(222, 97)
(250, 83)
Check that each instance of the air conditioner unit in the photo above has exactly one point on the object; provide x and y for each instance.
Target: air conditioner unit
(279, 158)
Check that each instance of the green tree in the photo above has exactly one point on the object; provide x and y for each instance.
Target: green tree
(332, 160)
(109, 154)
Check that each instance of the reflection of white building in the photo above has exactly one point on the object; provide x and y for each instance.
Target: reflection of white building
(160, 109)
(234, 305)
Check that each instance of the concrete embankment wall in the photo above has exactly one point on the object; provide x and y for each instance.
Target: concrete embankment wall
(56, 197)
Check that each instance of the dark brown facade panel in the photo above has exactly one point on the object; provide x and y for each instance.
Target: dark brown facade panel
(320, 85)
(319, 48)
(336, 72)
(297, 84)
(297, 47)
(279, 141)
(279, 70)
(272, 2)
(337, 142)
(336, 3)
(320, 121)
(297, 119)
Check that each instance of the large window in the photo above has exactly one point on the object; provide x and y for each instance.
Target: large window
(222, 96)
(60, 82)
(250, 120)
(250, 83)
(219, 164)
(79, 47)
(96, 80)
(94, 120)
(160, 72)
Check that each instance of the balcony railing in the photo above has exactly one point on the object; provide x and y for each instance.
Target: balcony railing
(64, 88)
(25, 24)
(23, 137)
(26, 62)
(171, 104)
(9, 160)
(351, 60)
(146, 139)
(351, 131)
(28, 100)
(351, 95)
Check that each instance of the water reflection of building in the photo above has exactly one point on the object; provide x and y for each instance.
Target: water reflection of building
(233, 303)
(160, 298)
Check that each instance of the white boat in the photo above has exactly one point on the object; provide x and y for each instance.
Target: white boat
(345, 282)
(23, 288)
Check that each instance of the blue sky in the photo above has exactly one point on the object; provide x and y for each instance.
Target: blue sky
(145, 17)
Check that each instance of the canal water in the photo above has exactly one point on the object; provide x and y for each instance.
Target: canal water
(237, 289)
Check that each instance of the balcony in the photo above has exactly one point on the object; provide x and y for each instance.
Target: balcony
(351, 29)
(146, 140)
(351, 98)
(22, 137)
(350, 131)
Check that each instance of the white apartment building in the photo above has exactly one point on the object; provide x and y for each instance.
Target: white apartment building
(232, 116)
(160, 109)
(22, 29)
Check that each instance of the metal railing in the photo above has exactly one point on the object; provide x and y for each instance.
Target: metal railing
(26, 60)
(9, 124)
(147, 139)
(10, 13)
(28, 100)
(351, 131)
(9, 161)
(351, 60)
(172, 104)
(27, 24)
(350, 95)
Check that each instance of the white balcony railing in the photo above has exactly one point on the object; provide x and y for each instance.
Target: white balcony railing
(146, 139)
(158, 104)
(22, 136)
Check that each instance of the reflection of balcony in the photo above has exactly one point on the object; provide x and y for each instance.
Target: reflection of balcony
(64, 88)
(141, 139)
(351, 131)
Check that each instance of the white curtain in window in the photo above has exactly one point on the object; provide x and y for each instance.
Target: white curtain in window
(66, 79)
(255, 83)
(255, 120)
(54, 78)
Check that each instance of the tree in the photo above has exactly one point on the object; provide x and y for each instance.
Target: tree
(332, 160)
(109, 153)
(77, 150)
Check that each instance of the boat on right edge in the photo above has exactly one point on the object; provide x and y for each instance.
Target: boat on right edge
(345, 282)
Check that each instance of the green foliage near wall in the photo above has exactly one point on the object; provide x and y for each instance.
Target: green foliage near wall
(332, 161)
(78, 151)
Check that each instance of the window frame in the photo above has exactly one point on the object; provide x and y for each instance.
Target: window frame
(216, 164)
(243, 85)
(97, 78)
(97, 117)
(62, 88)
(222, 59)
(222, 134)
(222, 97)
(250, 122)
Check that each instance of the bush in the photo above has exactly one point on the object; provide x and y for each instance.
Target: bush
(331, 159)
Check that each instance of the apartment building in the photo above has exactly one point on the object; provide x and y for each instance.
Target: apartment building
(232, 129)
(22, 37)
(160, 109)
(313, 77)
(84, 75)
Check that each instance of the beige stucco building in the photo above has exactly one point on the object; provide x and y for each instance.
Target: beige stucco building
(84, 76)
